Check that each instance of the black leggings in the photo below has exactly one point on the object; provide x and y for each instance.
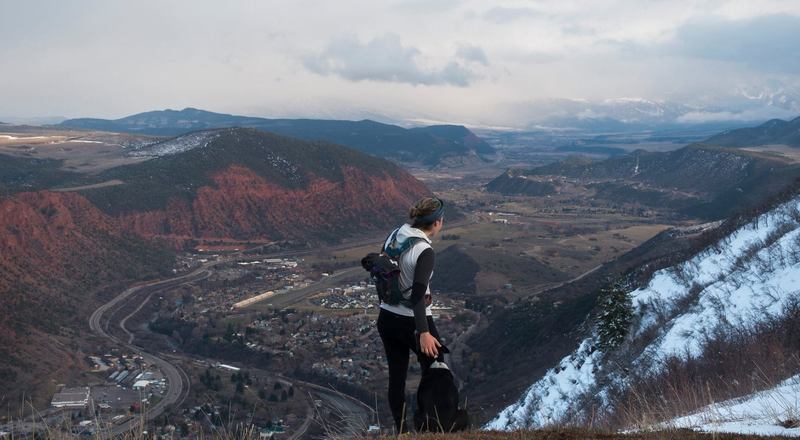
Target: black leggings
(399, 337)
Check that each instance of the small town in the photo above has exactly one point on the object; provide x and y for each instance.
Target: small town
(329, 338)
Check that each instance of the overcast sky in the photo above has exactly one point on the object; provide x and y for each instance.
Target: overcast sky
(442, 60)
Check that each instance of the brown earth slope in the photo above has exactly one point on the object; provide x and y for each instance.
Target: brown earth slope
(58, 252)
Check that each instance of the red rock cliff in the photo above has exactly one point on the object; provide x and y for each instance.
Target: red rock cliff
(243, 205)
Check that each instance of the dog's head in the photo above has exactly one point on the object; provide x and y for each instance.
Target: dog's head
(437, 402)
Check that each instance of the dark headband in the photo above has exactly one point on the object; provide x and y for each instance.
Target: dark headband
(432, 217)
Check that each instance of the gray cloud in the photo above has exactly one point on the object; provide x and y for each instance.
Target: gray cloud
(426, 6)
(539, 57)
(767, 43)
(574, 29)
(383, 59)
(501, 15)
(110, 59)
(472, 53)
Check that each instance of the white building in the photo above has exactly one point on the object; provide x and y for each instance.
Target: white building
(71, 398)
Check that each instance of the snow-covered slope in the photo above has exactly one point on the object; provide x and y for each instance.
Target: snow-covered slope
(176, 145)
(744, 279)
(775, 411)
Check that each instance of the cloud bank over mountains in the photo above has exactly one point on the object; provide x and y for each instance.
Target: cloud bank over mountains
(387, 59)
(452, 60)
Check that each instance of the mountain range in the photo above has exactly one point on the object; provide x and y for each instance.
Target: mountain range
(638, 114)
(427, 145)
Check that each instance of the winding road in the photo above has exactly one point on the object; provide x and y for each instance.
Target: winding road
(177, 380)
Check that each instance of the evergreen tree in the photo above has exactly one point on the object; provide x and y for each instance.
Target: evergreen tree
(616, 312)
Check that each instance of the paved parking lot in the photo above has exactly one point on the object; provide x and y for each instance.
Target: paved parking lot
(120, 399)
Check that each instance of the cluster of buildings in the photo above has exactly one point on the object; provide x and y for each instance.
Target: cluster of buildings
(346, 347)
(361, 296)
(358, 296)
(346, 369)
(242, 283)
(189, 262)
(129, 371)
(128, 380)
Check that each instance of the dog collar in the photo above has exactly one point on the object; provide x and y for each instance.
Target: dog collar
(437, 364)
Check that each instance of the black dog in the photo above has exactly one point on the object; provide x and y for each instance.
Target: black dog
(437, 402)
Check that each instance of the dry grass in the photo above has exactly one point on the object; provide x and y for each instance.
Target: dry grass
(40, 427)
(581, 434)
(733, 364)
(549, 434)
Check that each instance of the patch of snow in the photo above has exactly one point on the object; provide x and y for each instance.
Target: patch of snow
(176, 145)
(84, 141)
(24, 137)
(549, 399)
(762, 413)
(731, 291)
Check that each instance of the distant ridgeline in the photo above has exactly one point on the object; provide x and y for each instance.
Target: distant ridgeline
(773, 132)
(709, 180)
(427, 145)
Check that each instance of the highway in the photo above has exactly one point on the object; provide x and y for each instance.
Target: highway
(348, 418)
(178, 382)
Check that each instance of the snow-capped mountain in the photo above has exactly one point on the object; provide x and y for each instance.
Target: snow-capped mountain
(609, 114)
(748, 277)
(778, 97)
(744, 105)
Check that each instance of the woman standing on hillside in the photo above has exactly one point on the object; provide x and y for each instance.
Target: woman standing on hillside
(408, 324)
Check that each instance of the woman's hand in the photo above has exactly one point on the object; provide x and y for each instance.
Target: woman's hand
(428, 344)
